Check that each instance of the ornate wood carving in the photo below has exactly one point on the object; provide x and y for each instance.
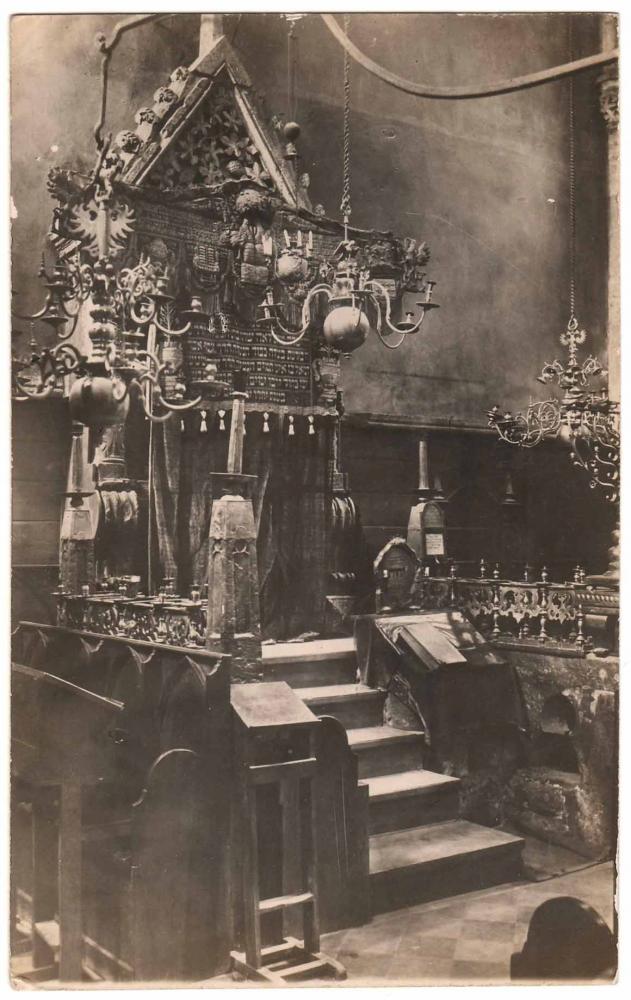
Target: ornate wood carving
(609, 106)
(214, 147)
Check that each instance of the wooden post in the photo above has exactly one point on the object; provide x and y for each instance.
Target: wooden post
(71, 945)
(237, 433)
(44, 834)
(310, 860)
(251, 922)
(291, 848)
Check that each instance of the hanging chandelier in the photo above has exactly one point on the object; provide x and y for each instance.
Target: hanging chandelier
(355, 289)
(583, 416)
(135, 349)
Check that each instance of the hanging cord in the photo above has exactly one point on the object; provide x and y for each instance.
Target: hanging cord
(463, 93)
(572, 205)
(345, 206)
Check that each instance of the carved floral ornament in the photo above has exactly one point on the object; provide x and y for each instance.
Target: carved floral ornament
(214, 147)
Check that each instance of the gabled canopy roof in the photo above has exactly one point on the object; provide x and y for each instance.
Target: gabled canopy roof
(203, 129)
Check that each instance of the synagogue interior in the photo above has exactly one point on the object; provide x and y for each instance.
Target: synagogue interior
(315, 517)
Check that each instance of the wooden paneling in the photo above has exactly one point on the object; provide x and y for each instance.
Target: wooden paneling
(31, 503)
(36, 543)
(557, 521)
(41, 444)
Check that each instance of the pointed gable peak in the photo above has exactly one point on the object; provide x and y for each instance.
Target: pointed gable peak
(203, 129)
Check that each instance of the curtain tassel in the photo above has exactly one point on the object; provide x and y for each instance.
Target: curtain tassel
(265, 423)
(292, 429)
(311, 420)
(222, 423)
(203, 427)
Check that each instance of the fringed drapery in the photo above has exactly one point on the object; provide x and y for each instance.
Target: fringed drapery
(292, 507)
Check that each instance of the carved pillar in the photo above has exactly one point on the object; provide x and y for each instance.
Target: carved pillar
(233, 581)
(608, 82)
(119, 514)
(109, 456)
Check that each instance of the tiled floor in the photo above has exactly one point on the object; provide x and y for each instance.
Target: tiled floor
(465, 939)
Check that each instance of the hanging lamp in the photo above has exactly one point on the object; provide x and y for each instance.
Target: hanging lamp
(584, 416)
(350, 288)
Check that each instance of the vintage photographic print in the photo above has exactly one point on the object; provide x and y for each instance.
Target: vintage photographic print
(315, 502)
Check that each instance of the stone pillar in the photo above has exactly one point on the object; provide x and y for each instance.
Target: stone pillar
(233, 582)
(76, 547)
(233, 585)
(426, 517)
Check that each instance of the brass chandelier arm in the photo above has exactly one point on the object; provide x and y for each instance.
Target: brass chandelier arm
(465, 93)
(297, 335)
(386, 343)
(176, 407)
(71, 318)
(168, 332)
(39, 393)
(143, 318)
(601, 468)
(371, 285)
(156, 392)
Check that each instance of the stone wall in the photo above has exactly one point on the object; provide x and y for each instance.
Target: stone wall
(568, 791)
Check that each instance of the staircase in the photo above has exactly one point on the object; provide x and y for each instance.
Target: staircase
(419, 848)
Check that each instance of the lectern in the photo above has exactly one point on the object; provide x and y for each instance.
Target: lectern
(275, 740)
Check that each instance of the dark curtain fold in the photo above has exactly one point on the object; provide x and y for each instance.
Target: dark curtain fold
(164, 483)
(292, 507)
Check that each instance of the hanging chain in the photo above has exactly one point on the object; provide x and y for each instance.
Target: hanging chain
(345, 205)
(572, 207)
(291, 72)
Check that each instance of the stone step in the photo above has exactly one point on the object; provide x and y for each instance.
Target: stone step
(411, 798)
(439, 860)
(384, 750)
(321, 663)
(354, 705)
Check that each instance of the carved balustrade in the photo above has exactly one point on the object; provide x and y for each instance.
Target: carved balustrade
(536, 612)
(168, 620)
